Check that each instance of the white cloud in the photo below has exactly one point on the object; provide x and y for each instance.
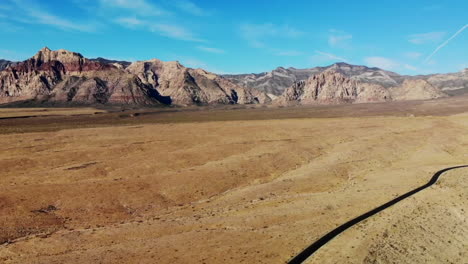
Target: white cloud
(410, 67)
(425, 38)
(190, 7)
(9, 27)
(445, 43)
(339, 38)
(130, 22)
(141, 7)
(12, 55)
(167, 30)
(413, 55)
(193, 63)
(175, 32)
(381, 62)
(388, 64)
(211, 50)
(257, 34)
(329, 56)
(28, 12)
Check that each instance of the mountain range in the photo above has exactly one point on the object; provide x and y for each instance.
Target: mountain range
(65, 77)
(278, 80)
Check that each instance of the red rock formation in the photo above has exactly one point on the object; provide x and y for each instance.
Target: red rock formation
(64, 76)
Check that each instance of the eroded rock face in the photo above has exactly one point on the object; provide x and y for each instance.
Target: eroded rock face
(451, 83)
(278, 80)
(332, 87)
(188, 86)
(5, 63)
(416, 90)
(64, 76)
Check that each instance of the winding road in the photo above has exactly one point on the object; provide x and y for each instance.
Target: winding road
(306, 253)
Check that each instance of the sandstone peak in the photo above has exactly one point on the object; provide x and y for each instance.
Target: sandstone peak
(45, 49)
(64, 56)
(332, 87)
(416, 89)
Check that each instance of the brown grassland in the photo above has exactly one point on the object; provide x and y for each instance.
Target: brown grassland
(233, 184)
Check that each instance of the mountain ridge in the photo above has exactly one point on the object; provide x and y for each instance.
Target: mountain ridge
(278, 80)
(68, 77)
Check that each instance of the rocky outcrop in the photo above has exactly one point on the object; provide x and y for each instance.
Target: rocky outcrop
(332, 87)
(187, 86)
(278, 80)
(274, 82)
(450, 83)
(64, 76)
(417, 89)
(117, 63)
(366, 74)
(5, 63)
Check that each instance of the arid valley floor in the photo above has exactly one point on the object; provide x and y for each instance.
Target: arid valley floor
(246, 185)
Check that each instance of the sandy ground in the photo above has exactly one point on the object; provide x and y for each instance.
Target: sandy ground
(28, 112)
(239, 191)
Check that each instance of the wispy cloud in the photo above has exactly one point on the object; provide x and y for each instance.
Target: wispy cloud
(338, 38)
(425, 38)
(288, 53)
(330, 56)
(175, 32)
(196, 63)
(211, 50)
(191, 8)
(257, 34)
(12, 55)
(141, 7)
(29, 12)
(9, 27)
(193, 63)
(389, 64)
(413, 55)
(382, 62)
(445, 43)
(130, 22)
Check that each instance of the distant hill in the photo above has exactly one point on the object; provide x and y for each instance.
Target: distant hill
(333, 87)
(278, 80)
(5, 63)
(124, 64)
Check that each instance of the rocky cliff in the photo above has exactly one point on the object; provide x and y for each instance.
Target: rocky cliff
(450, 83)
(278, 80)
(4, 64)
(63, 76)
(188, 86)
(332, 87)
(417, 89)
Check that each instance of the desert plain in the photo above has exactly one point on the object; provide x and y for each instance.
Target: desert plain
(233, 184)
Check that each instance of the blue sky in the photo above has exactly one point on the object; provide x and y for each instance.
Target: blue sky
(408, 37)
